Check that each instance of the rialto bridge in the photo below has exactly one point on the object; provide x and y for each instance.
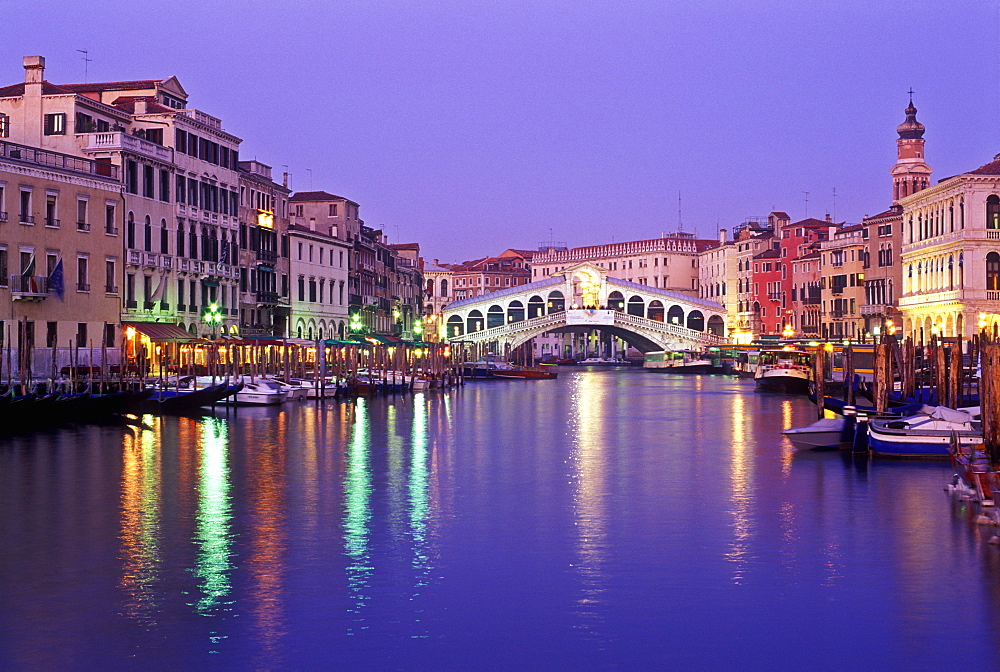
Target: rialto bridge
(582, 298)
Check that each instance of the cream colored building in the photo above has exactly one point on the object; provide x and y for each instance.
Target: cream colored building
(59, 281)
(842, 279)
(951, 255)
(718, 276)
(670, 262)
(318, 265)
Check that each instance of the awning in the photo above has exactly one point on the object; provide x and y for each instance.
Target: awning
(376, 339)
(161, 332)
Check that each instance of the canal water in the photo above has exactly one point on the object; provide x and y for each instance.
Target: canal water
(606, 519)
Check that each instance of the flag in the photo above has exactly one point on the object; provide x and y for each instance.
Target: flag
(161, 288)
(56, 279)
(225, 253)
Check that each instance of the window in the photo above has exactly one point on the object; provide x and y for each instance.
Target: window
(110, 278)
(164, 237)
(51, 334)
(81, 335)
(54, 124)
(302, 288)
(4, 126)
(147, 235)
(333, 209)
(82, 274)
(51, 211)
(81, 215)
(110, 225)
(148, 182)
(993, 212)
(131, 177)
(3, 266)
(993, 271)
(164, 186)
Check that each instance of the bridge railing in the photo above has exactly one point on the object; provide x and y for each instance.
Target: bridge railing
(511, 328)
(669, 328)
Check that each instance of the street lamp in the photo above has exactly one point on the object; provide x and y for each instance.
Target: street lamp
(418, 327)
(787, 332)
(356, 323)
(212, 316)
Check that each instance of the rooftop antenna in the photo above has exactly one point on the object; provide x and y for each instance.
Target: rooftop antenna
(834, 213)
(807, 203)
(680, 226)
(86, 60)
(309, 170)
(284, 175)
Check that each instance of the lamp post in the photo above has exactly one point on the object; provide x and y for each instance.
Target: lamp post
(212, 316)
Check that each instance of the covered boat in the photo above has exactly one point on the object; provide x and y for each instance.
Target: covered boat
(926, 433)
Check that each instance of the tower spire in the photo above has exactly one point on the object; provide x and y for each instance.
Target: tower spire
(910, 174)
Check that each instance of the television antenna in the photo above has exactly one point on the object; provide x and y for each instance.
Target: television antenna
(86, 59)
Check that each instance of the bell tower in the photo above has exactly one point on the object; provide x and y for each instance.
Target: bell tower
(910, 174)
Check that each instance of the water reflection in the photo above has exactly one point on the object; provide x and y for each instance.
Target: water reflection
(588, 405)
(213, 534)
(740, 488)
(140, 523)
(419, 485)
(357, 505)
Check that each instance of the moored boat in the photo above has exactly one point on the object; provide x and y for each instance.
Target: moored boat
(682, 361)
(824, 433)
(526, 372)
(783, 371)
(925, 434)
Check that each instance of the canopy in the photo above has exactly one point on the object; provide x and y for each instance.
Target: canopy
(161, 332)
(377, 339)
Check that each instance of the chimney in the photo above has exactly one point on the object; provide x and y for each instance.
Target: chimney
(722, 236)
(312, 223)
(284, 179)
(140, 105)
(828, 217)
(34, 69)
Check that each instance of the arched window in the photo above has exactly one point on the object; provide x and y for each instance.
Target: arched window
(164, 237)
(636, 306)
(616, 301)
(675, 315)
(455, 326)
(444, 287)
(130, 231)
(993, 212)
(147, 235)
(696, 321)
(655, 311)
(993, 271)
(515, 312)
(536, 307)
(494, 317)
(556, 303)
(430, 288)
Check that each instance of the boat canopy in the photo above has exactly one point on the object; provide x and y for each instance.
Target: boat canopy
(161, 332)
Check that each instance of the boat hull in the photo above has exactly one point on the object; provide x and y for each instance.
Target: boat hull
(901, 443)
(788, 381)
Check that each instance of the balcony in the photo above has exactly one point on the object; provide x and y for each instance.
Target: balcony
(164, 305)
(131, 305)
(119, 141)
(41, 157)
(181, 308)
(151, 259)
(133, 257)
(111, 230)
(876, 309)
(269, 298)
(266, 256)
(52, 222)
(29, 287)
(26, 219)
(812, 301)
(166, 261)
(83, 287)
(110, 289)
(3, 216)
(82, 226)
(836, 314)
(148, 305)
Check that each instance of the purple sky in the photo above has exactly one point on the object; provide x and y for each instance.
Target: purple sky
(471, 127)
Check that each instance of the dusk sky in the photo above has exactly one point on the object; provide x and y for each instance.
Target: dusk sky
(471, 127)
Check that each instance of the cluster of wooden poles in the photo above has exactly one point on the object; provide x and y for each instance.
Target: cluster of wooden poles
(943, 370)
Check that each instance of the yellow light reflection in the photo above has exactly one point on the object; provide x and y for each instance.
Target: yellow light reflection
(740, 489)
(787, 452)
(140, 525)
(589, 403)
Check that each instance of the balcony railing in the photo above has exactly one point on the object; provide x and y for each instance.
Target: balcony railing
(52, 222)
(133, 257)
(10, 150)
(3, 216)
(29, 286)
(82, 287)
(131, 305)
(111, 230)
(119, 141)
(266, 256)
(26, 218)
(267, 297)
(110, 289)
(83, 226)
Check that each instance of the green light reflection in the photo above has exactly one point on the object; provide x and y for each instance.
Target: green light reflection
(357, 493)
(214, 521)
(419, 477)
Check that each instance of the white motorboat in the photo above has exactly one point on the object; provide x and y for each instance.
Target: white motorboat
(261, 392)
(602, 361)
(824, 433)
(295, 390)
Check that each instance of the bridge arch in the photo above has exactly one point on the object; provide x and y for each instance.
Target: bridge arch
(475, 322)
(456, 326)
(494, 317)
(716, 326)
(557, 303)
(696, 320)
(655, 310)
(515, 311)
(536, 307)
(675, 315)
(636, 306)
(616, 301)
